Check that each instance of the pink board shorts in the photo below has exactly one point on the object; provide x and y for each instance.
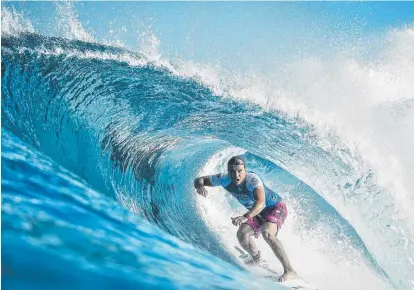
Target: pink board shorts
(275, 214)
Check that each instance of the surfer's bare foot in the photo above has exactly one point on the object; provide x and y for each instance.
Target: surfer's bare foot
(288, 275)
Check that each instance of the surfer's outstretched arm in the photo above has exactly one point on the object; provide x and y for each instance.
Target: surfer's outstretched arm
(200, 183)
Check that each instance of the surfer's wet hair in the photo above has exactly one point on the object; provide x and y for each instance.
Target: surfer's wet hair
(236, 160)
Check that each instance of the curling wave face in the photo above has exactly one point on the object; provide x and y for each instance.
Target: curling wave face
(138, 134)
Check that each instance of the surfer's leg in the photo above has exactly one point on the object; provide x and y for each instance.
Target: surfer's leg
(245, 236)
(269, 232)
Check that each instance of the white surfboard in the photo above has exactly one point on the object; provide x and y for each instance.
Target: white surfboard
(264, 270)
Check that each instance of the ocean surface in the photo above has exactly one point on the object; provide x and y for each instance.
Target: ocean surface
(101, 144)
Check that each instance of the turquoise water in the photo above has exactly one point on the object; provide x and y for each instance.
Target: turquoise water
(100, 145)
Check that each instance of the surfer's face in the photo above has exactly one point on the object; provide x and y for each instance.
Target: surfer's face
(237, 173)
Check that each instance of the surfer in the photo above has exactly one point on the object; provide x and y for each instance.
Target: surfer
(266, 210)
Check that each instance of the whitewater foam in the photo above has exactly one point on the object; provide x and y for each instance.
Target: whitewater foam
(69, 24)
(14, 23)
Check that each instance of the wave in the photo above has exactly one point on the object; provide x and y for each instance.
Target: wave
(139, 133)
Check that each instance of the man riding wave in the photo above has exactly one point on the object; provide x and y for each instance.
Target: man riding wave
(266, 210)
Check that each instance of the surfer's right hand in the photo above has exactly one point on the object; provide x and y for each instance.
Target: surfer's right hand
(202, 191)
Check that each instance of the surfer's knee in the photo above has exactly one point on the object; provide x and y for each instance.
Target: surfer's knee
(269, 236)
(244, 232)
(269, 232)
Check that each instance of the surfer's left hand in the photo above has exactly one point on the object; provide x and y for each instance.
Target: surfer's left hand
(239, 220)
